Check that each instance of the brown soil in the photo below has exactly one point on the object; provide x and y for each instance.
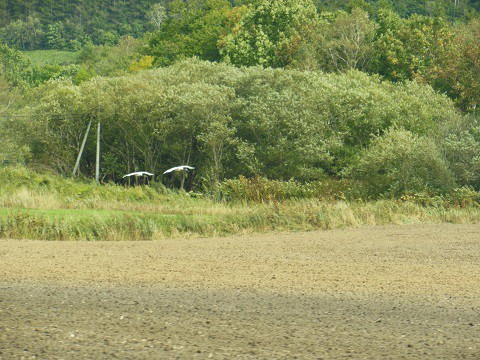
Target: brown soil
(377, 292)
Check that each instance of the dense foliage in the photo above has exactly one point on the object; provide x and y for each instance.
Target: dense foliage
(66, 24)
(270, 33)
(381, 93)
(227, 122)
(435, 42)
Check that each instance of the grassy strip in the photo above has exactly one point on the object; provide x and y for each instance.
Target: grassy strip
(308, 215)
(97, 225)
(48, 207)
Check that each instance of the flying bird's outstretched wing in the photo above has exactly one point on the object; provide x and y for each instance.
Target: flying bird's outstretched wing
(139, 173)
(179, 168)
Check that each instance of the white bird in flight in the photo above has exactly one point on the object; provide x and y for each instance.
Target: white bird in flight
(179, 168)
(139, 173)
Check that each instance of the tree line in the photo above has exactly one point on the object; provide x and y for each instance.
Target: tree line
(324, 36)
(276, 89)
(273, 123)
(294, 34)
(66, 24)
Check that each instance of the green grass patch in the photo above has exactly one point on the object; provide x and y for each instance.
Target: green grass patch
(48, 207)
(84, 224)
(50, 57)
(100, 224)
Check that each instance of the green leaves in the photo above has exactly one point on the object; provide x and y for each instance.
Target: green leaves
(400, 162)
(410, 48)
(270, 34)
(227, 121)
(459, 72)
(462, 151)
(191, 28)
(23, 35)
(345, 41)
(14, 67)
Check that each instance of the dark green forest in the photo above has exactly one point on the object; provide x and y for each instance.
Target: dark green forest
(380, 96)
(64, 24)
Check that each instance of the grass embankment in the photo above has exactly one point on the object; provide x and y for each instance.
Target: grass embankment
(34, 206)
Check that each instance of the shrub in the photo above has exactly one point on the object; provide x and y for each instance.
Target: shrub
(463, 156)
(259, 189)
(279, 124)
(464, 197)
(400, 162)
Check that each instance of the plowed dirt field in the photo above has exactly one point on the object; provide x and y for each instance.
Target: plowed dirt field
(396, 292)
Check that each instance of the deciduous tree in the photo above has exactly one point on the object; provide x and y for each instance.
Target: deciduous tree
(192, 28)
(270, 33)
(346, 40)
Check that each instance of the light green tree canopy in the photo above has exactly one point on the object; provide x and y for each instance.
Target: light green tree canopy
(270, 33)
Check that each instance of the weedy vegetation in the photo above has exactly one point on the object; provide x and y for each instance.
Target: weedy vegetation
(51, 207)
(338, 115)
